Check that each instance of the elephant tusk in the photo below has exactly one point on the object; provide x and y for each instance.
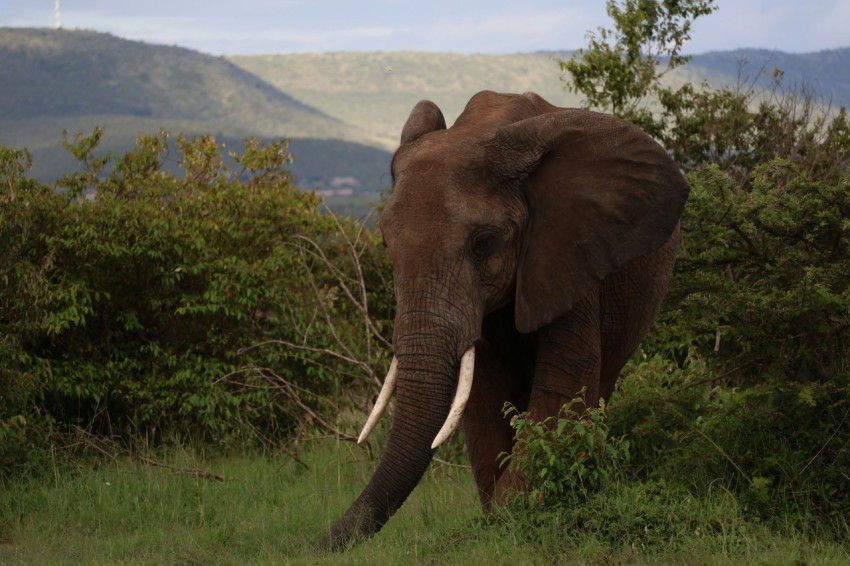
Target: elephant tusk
(381, 403)
(464, 388)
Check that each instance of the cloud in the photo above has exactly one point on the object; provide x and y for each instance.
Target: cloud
(491, 26)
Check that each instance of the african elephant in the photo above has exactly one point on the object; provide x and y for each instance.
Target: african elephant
(531, 247)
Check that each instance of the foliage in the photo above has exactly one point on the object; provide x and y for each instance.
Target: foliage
(620, 66)
(747, 380)
(738, 128)
(566, 458)
(762, 277)
(133, 299)
(31, 212)
(781, 447)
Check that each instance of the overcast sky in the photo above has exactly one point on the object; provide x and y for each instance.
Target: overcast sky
(467, 26)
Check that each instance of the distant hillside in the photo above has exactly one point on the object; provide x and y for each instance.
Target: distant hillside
(55, 80)
(825, 73)
(376, 91)
(343, 111)
(67, 74)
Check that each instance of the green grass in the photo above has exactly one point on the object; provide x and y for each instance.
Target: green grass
(270, 509)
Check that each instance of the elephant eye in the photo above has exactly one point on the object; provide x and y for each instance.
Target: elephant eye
(482, 242)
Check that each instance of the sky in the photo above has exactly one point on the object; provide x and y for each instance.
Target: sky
(231, 27)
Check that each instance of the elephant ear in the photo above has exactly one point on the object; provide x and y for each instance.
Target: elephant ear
(600, 193)
(425, 117)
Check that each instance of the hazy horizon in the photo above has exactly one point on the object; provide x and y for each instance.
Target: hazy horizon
(252, 27)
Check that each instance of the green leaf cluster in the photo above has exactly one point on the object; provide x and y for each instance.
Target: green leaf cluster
(746, 373)
(565, 458)
(622, 66)
(144, 303)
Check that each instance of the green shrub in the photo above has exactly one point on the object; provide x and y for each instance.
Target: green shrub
(761, 281)
(31, 212)
(145, 303)
(565, 459)
(780, 447)
(761, 296)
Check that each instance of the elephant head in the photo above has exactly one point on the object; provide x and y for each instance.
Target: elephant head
(529, 242)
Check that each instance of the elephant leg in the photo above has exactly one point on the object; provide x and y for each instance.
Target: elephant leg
(502, 374)
(567, 361)
(630, 299)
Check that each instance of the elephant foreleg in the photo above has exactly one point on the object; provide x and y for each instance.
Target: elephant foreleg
(567, 362)
(502, 373)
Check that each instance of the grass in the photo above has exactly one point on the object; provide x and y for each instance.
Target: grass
(270, 509)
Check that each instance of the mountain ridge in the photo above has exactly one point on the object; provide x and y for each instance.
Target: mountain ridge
(376, 90)
(343, 111)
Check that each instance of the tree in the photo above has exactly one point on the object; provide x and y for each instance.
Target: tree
(622, 66)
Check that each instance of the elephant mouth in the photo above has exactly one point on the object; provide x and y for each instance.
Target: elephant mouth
(464, 388)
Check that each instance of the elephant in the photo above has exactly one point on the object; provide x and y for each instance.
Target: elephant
(531, 246)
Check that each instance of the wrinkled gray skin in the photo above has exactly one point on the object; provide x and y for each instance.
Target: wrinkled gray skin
(545, 237)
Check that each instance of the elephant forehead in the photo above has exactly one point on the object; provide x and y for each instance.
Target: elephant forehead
(440, 195)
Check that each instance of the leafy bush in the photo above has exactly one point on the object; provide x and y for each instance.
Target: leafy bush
(144, 302)
(762, 275)
(761, 296)
(31, 211)
(565, 459)
(748, 374)
(781, 446)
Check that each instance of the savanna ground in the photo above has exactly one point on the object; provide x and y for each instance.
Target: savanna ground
(192, 508)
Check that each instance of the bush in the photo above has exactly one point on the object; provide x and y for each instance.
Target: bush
(762, 280)
(748, 374)
(780, 447)
(146, 303)
(565, 459)
(31, 212)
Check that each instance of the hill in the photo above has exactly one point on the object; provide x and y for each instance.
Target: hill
(376, 91)
(67, 74)
(343, 111)
(55, 80)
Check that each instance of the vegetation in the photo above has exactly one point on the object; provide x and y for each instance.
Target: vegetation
(569, 457)
(149, 305)
(268, 508)
(622, 65)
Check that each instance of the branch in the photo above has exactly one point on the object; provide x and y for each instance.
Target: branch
(289, 390)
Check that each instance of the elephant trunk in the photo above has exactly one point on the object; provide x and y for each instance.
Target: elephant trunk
(426, 383)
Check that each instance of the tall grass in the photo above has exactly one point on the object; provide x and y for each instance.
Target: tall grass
(271, 508)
